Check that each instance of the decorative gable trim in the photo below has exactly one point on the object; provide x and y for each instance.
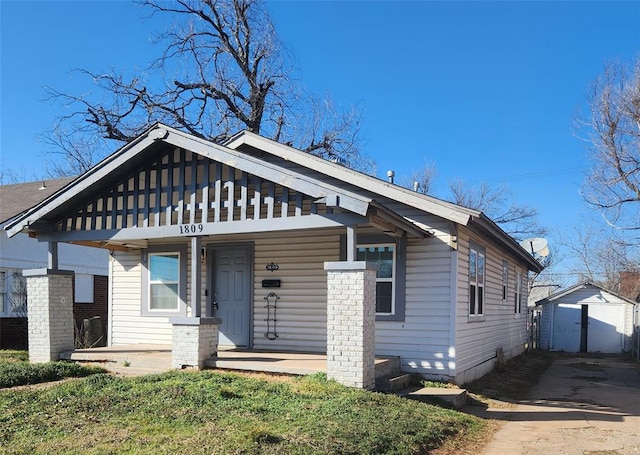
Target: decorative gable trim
(170, 184)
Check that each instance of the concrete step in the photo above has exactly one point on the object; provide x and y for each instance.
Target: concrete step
(453, 396)
(150, 361)
(393, 383)
(386, 366)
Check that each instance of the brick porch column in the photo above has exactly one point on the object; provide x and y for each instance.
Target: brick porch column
(194, 341)
(351, 313)
(50, 313)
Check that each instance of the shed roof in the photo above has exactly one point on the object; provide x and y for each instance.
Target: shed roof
(576, 287)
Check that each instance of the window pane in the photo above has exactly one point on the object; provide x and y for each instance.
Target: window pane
(472, 266)
(383, 297)
(382, 255)
(480, 300)
(472, 299)
(163, 267)
(164, 297)
(480, 268)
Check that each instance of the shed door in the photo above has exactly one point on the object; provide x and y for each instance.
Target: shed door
(606, 328)
(567, 325)
(232, 294)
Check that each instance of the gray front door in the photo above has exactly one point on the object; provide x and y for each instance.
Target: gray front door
(232, 294)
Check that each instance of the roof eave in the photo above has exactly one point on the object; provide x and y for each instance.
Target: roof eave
(443, 209)
(487, 224)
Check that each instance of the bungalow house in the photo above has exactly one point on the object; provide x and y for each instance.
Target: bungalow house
(587, 318)
(22, 253)
(258, 245)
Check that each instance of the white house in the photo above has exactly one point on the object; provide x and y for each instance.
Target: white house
(22, 253)
(258, 245)
(586, 318)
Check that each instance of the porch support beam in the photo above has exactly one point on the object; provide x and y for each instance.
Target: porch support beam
(351, 243)
(351, 313)
(223, 227)
(52, 256)
(196, 276)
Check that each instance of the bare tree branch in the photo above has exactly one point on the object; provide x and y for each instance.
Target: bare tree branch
(519, 221)
(422, 179)
(222, 69)
(612, 132)
(600, 257)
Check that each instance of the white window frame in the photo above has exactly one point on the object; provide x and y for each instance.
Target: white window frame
(517, 292)
(179, 249)
(391, 280)
(478, 295)
(151, 282)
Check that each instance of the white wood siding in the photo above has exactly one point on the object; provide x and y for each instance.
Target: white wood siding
(301, 311)
(302, 308)
(479, 338)
(127, 325)
(424, 339)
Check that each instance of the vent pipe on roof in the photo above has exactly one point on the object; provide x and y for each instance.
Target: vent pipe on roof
(416, 186)
(391, 175)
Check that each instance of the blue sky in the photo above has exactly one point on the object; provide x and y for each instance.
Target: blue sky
(487, 91)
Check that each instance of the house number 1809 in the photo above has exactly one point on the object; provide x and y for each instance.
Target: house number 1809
(187, 229)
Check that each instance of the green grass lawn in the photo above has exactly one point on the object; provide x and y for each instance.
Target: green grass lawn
(15, 370)
(222, 413)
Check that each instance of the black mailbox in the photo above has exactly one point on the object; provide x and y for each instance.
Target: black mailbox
(270, 283)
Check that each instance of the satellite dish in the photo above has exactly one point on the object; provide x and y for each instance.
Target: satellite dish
(536, 245)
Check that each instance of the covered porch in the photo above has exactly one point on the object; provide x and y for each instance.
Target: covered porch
(139, 359)
(191, 227)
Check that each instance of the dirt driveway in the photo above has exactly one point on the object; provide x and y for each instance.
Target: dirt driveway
(581, 405)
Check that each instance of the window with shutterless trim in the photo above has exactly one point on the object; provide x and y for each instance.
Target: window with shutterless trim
(505, 282)
(517, 294)
(385, 256)
(391, 254)
(164, 281)
(477, 266)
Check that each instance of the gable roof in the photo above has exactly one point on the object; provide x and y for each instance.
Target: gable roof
(142, 149)
(443, 209)
(19, 197)
(446, 210)
(135, 154)
(584, 284)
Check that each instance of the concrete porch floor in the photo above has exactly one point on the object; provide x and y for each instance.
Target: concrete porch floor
(139, 359)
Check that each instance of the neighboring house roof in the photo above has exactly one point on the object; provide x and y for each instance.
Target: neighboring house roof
(564, 292)
(20, 197)
(134, 154)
